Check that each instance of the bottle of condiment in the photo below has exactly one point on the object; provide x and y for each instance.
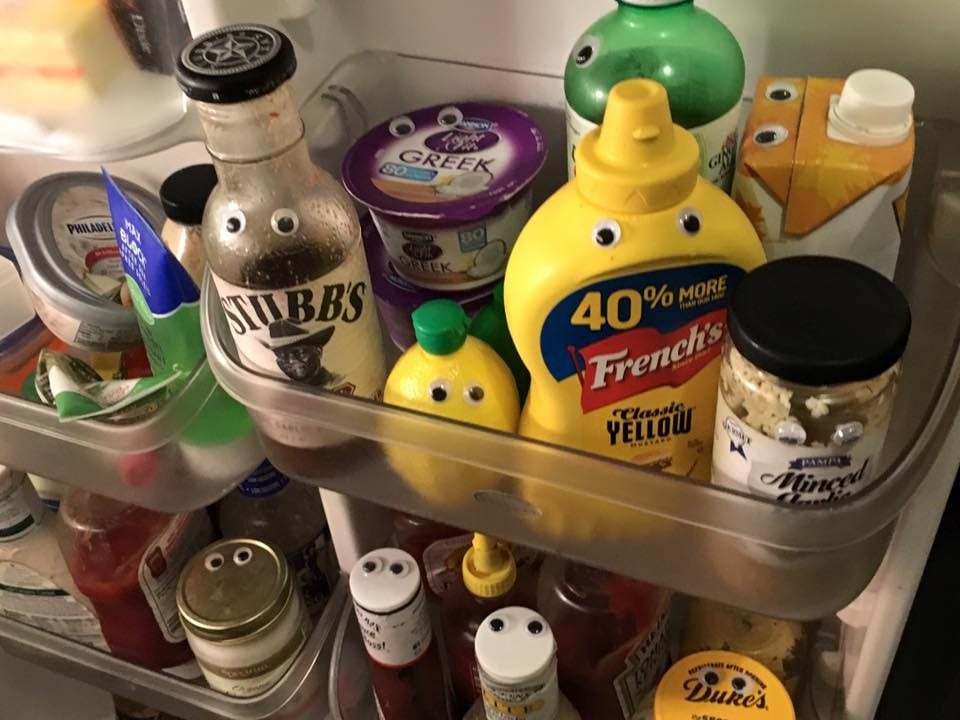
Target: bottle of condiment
(489, 578)
(721, 684)
(684, 48)
(517, 658)
(807, 380)
(184, 196)
(244, 616)
(287, 515)
(612, 634)
(282, 237)
(391, 607)
(35, 584)
(127, 560)
(414, 535)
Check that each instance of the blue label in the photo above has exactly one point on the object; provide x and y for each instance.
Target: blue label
(266, 480)
(408, 172)
(164, 283)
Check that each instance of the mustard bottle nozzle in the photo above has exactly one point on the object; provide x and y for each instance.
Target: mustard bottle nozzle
(489, 569)
(637, 161)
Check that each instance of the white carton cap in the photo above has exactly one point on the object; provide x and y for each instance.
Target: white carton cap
(384, 580)
(875, 108)
(514, 645)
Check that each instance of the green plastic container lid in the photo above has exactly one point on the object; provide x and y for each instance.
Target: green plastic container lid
(440, 326)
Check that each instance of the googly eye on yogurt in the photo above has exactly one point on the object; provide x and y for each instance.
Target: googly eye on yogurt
(782, 91)
(770, 135)
(606, 233)
(586, 51)
(285, 221)
(234, 221)
(439, 390)
(689, 221)
(450, 116)
(401, 126)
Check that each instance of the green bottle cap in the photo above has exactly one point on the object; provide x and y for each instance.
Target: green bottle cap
(440, 326)
(498, 294)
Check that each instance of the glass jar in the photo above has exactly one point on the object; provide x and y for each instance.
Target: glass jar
(184, 196)
(807, 380)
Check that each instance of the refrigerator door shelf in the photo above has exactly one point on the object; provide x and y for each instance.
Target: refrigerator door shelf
(801, 563)
(302, 692)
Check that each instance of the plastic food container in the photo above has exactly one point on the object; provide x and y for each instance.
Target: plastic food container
(61, 231)
(397, 297)
(448, 187)
(20, 344)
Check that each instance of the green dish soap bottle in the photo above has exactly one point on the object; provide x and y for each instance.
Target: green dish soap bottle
(687, 50)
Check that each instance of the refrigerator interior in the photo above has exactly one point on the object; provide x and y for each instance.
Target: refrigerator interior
(364, 62)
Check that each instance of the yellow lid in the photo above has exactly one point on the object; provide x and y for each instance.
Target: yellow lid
(637, 161)
(489, 569)
(721, 685)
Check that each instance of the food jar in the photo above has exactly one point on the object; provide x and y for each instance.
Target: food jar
(807, 380)
(184, 197)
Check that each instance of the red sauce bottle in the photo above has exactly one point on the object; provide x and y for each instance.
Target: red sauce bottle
(611, 633)
(414, 535)
(126, 560)
(391, 609)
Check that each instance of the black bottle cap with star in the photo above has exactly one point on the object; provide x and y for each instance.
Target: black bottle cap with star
(235, 63)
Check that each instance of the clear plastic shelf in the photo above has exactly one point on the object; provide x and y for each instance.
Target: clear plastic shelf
(164, 462)
(300, 693)
(802, 563)
(349, 688)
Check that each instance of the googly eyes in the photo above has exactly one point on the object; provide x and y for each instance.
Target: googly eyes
(473, 394)
(790, 432)
(242, 555)
(782, 92)
(401, 126)
(450, 116)
(709, 677)
(770, 135)
(234, 222)
(439, 390)
(606, 233)
(213, 562)
(586, 51)
(689, 221)
(742, 684)
(284, 221)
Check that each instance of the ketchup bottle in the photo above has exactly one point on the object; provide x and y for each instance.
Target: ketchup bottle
(127, 560)
(391, 608)
(414, 535)
(611, 633)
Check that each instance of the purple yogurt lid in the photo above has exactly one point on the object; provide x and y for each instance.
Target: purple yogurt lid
(455, 162)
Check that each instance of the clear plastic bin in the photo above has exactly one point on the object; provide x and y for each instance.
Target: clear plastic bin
(300, 693)
(801, 563)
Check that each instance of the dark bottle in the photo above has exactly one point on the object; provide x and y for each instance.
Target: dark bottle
(391, 607)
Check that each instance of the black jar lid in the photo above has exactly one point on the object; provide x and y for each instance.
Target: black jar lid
(819, 320)
(235, 63)
(184, 194)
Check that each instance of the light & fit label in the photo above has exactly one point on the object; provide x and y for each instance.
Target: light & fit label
(717, 141)
(538, 699)
(161, 564)
(399, 638)
(640, 354)
(745, 459)
(30, 598)
(83, 232)
(324, 333)
(645, 665)
(20, 511)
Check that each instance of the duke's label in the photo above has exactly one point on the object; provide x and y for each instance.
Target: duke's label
(643, 352)
(324, 333)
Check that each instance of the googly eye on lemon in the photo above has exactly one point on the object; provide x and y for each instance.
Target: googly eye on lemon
(473, 394)
(585, 52)
(450, 116)
(285, 222)
(401, 126)
(606, 233)
(439, 390)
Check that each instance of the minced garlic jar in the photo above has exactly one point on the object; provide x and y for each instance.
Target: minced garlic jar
(807, 380)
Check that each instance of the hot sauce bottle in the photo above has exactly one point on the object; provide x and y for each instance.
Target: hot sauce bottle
(391, 607)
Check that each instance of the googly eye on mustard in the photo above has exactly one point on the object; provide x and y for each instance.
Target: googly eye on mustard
(616, 293)
(456, 376)
(723, 685)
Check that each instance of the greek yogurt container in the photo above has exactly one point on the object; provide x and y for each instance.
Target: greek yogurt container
(397, 297)
(449, 189)
(62, 234)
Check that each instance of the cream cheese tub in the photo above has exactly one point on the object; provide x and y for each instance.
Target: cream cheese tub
(449, 189)
(61, 232)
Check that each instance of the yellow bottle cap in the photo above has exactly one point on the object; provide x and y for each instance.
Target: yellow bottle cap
(724, 685)
(489, 569)
(637, 161)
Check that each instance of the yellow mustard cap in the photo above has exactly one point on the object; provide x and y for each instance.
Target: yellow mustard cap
(721, 684)
(637, 161)
(489, 569)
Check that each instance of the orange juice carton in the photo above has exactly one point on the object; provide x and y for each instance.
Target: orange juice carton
(825, 166)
